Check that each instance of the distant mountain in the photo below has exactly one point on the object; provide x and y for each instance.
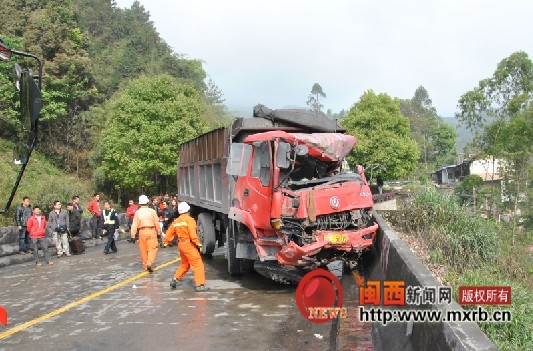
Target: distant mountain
(464, 135)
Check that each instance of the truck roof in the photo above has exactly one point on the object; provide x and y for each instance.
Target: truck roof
(324, 146)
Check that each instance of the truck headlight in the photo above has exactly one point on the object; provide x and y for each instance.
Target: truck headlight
(276, 223)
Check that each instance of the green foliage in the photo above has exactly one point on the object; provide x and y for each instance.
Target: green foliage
(144, 124)
(89, 48)
(313, 98)
(444, 139)
(459, 239)
(213, 93)
(518, 334)
(500, 97)
(383, 136)
(478, 252)
(435, 138)
(468, 184)
(124, 44)
(500, 110)
(42, 182)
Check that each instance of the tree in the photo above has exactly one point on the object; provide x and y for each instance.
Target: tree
(214, 94)
(433, 136)
(500, 111)
(383, 136)
(508, 92)
(145, 124)
(444, 138)
(313, 98)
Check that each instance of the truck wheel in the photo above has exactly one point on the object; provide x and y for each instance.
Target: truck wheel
(234, 263)
(206, 232)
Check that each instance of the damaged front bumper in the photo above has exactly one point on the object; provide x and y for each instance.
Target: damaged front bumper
(347, 241)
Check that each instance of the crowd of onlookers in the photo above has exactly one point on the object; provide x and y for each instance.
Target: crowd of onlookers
(62, 226)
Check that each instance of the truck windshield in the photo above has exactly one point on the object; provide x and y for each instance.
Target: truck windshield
(306, 169)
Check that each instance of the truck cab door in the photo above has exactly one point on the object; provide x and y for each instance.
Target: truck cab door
(257, 187)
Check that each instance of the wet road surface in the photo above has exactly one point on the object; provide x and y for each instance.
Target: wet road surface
(246, 313)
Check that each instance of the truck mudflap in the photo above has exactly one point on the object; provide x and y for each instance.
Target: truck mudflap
(347, 241)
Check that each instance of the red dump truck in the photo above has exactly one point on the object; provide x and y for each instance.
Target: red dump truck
(274, 191)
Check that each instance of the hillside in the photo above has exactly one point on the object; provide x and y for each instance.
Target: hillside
(464, 136)
(42, 182)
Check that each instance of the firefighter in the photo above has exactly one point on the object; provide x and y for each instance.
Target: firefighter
(145, 228)
(189, 246)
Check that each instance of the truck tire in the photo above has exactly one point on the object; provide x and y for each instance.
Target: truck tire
(206, 232)
(234, 263)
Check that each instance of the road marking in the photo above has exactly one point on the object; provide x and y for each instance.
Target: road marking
(71, 305)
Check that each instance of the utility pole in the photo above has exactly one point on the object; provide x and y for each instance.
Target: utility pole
(474, 197)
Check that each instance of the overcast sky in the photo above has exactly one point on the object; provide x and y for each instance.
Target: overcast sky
(271, 52)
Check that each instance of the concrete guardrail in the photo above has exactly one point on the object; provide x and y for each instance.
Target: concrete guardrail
(395, 261)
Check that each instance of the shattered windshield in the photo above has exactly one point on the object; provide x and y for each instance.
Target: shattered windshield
(309, 171)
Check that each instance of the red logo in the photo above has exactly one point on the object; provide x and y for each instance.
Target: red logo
(334, 202)
(319, 296)
(3, 316)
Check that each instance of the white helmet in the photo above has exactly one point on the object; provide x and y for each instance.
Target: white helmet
(143, 200)
(183, 207)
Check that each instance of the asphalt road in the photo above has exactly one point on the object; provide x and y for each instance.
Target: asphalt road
(76, 305)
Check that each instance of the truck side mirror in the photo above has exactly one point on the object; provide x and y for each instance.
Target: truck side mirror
(21, 153)
(30, 97)
(283, 155)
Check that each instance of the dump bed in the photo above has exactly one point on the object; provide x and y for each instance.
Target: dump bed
(202, 178)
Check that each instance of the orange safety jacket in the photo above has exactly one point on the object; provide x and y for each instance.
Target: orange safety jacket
(145, 218)
(184, 227)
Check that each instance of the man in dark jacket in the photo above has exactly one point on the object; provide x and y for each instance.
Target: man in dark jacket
(74, 219)
(22, 213)
(76, 204)
(110, 220)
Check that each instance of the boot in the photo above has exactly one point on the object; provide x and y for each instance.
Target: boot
(173, 283)
(201, 288)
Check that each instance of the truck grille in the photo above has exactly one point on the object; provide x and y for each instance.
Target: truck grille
(337, 221)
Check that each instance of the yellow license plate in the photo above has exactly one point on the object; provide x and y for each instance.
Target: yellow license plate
(336, 238)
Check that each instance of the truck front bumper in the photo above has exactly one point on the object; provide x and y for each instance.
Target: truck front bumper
(347, 241)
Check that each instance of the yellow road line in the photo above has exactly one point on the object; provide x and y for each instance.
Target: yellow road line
(81, 301)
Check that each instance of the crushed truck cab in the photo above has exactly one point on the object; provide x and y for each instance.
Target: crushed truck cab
(277, 194)
(302, 208)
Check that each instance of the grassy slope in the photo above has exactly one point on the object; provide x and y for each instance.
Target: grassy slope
(42, 182)
(509, 265)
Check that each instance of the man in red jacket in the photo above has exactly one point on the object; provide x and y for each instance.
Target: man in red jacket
(96, 222)
(130, 212)
(37, 228)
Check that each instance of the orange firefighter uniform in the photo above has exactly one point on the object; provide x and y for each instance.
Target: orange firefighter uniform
(184, 227)
(146, 224)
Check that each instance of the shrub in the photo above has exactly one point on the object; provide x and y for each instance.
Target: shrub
(458, 237)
